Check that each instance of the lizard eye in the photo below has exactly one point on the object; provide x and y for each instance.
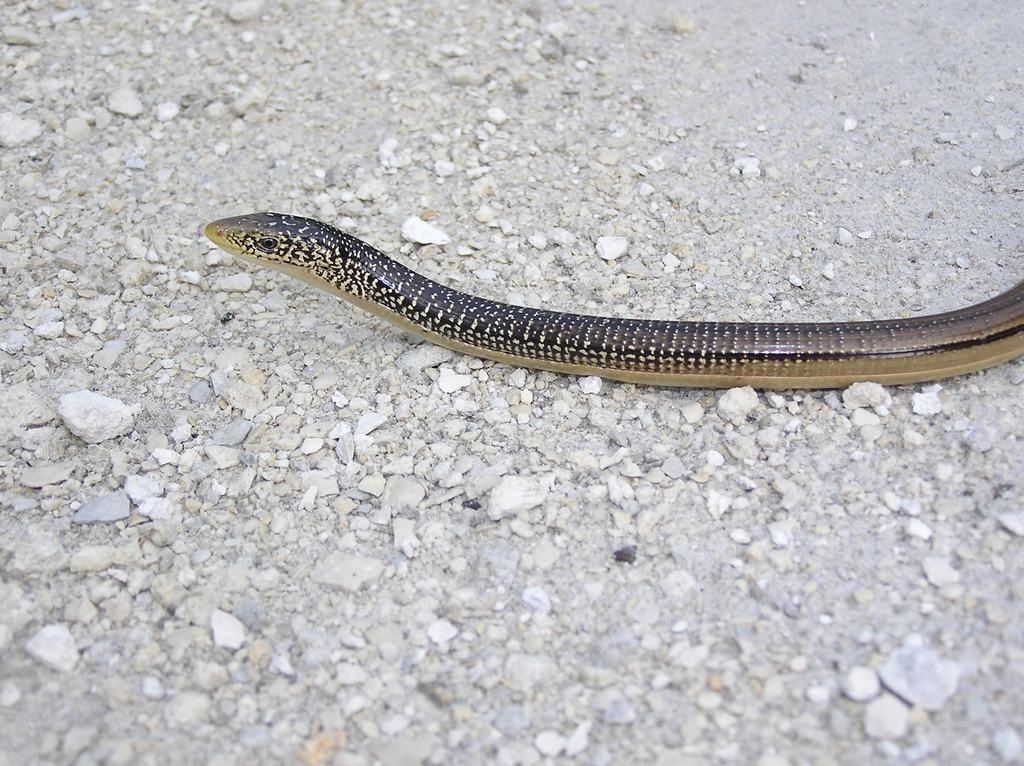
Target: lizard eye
(266, 244)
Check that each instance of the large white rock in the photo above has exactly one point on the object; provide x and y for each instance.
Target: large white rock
(95, 418)
(55, 647)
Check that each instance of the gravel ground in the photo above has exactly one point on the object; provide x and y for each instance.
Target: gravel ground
(242, 522)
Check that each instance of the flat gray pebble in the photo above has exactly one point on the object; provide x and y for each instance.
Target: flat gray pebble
(347, 571)
(111, 507)
(919, 676)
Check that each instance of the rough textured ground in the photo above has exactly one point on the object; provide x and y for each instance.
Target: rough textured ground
(326, 543)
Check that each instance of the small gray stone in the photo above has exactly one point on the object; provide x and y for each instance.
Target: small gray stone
(125, 101)
(15, 343)
(619, 712)
(95, 418)
(18, 131)
(347, 571)
(401, 494)
(187, 710)
(200, 392)
(919, 676)
(351, 674)
(112, 507)
(537, 599)
(526, 671)
(232, 434)
(55, 647)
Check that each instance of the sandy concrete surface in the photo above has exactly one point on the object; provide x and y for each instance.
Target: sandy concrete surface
(242, 522)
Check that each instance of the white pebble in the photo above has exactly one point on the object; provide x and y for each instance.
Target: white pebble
(818, 694)
(1004, 133)
(497, 115)
(886, 718)
(1006, 743)
(514, 494)
(781, 532)
(740, 537)
(55, 647)
(156, 508)
(401, 494)
(861, 684)
(245, 10)
(94, 417)
(18, 131)
(234, 283)
(405, 540)
(450, 381)
(441, 632)
(849, 124)
(748, 167)
(579, 740)
(311, 445)
(537, 599)
(866, 394)
(939, 571)
(125, 101)
(422, 233)
(167, 111)
(1013, 522)
(228, 630)
(715, 458)
(282, 665)
(141, 487)
(187, 710)
(736, 403)
(921, 677)
(527, 671)
(538, 240)
(610, 248)
(590, 384)
(844, 237)
(152, 688)
(917, 528)
(368, 422)
(549, 743)
(927, 402)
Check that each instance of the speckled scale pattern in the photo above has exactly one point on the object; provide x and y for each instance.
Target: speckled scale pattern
(770, 350)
